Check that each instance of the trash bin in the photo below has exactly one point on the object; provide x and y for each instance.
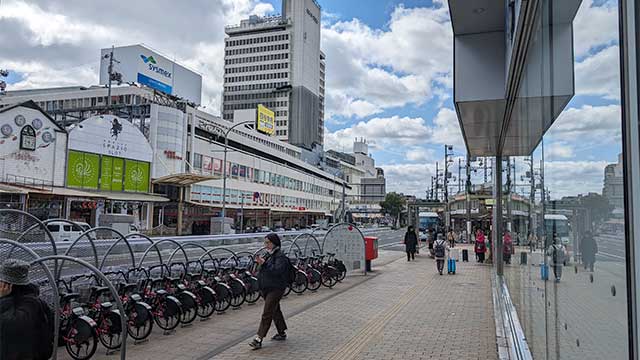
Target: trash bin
(370, 250)
(523, 258)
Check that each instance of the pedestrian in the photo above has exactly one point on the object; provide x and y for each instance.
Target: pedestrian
(410, 243)
(440, 249)
(507, 247)
(273, 278)
(589, 251)
(26, 321)
(480, 247)
(430, 241)
(451, 238)
(556, 253)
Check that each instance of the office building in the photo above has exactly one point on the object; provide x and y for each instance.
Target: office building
(613, 188)
(276, 61)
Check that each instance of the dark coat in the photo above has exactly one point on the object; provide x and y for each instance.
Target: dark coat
(274, 272)
(589, 249)
(410, 241)
(21, 315)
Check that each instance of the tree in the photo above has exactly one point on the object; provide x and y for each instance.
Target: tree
(598, 208)
(393, 205)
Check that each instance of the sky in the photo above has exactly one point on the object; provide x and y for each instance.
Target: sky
(389, 73)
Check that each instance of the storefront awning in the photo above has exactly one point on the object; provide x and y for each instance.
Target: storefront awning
(60, 191)
(141, 197)
(8, 189)
(184, 179)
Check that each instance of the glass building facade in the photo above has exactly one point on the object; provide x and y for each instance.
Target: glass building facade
(561, 126)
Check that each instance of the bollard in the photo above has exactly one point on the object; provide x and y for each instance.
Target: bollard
(367, 265)
(523, 258)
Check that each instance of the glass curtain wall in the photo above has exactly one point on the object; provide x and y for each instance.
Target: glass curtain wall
(563, 205)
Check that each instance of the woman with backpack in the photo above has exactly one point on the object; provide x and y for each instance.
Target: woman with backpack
(273, 279)
(440, 250)
(480, 247)
(410, 243)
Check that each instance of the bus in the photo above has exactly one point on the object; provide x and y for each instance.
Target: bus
(428, 220)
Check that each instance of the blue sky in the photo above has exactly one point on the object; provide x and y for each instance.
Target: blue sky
(389, 72)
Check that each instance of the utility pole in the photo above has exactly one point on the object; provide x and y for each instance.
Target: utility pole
(532, 196)
(447, 149)
(485, 169)
(437, 181)
(113, 76)
(468, 197)
(508, 202)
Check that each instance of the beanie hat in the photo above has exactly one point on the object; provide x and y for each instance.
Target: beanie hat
(15, 272)
(274, 238)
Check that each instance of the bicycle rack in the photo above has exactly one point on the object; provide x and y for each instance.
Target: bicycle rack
(155, 246)
(103, 279)
(339, 244)
(113, 246)
(233, 254)
(308, 236)
(29, 256)
(24, 218)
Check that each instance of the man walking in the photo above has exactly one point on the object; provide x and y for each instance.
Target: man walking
(440, 249)
(410, 243)
(273, 279)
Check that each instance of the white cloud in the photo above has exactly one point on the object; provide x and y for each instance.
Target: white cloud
(559, 150)
(58, 42)
(410, 179)
(595, 26)
(419, 154)
(406, 64)
(600, 74)
(588, 125)
(570, 178)
(447, 129)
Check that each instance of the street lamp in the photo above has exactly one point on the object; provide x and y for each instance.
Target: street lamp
(224, 171)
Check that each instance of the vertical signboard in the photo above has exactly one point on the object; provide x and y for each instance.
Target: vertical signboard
(106, 173)
(117, 173)
(136, 178)
(265, 121)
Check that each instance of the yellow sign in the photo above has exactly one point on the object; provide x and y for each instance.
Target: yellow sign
(266, 121)
(489, 202)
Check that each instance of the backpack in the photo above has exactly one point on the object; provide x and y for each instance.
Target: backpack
(292, 272)
(439, 249)
(45, 331)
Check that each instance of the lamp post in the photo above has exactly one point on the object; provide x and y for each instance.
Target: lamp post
(224, 172)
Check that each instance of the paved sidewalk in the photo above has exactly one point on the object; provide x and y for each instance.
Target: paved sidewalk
(406, 311)
(401, 310)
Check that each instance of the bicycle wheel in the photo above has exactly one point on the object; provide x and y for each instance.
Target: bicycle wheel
(110, 333)
(238, 293)
(300, 283)
(328, 276)
(81, 340)
(253, 293)
(140, 321)
(189, 307)
(168, 314)
(315, 279)
(223, 297)
(342, 270)
(206, 302)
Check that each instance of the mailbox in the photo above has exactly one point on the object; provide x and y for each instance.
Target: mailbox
(370, 250)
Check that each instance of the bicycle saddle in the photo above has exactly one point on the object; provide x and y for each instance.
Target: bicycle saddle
(331, 254)
(70, 296)
(106, 305)
(100, 290)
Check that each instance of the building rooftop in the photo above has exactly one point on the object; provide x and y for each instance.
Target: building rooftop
(257, 23)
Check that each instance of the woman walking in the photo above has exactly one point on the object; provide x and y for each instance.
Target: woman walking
(272, 280)
(589, 251)
(480, 247)
(410, 243)
(507, 247)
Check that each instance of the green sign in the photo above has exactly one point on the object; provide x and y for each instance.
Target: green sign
(136, 178)
(118, 171)
(105, 173)
(115, 174)
(83, 170)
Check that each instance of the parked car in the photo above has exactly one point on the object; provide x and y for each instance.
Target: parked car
(265, 229)
(64, 231)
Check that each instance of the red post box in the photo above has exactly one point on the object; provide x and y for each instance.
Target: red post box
(370, 250)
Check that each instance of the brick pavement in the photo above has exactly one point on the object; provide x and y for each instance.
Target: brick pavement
(400, 310)
(406, 311)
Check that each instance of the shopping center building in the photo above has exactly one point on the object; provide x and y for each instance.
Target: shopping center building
(176, 151)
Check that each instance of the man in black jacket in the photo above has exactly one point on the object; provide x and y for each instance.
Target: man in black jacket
(273, 279)
(26, 326)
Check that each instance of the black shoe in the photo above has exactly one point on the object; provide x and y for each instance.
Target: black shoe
(255, 344)
(279, 337)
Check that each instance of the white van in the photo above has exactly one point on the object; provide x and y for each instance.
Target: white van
(64, 231)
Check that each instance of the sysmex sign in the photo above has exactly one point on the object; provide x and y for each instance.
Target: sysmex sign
(144, 66)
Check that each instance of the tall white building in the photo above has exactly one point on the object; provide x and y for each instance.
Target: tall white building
(276, 61)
